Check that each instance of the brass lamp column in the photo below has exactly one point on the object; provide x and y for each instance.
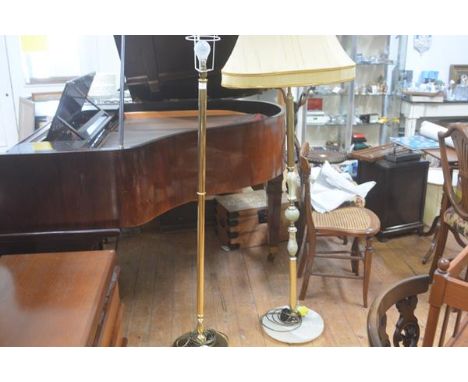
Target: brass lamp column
(201, 336)
(279, 62)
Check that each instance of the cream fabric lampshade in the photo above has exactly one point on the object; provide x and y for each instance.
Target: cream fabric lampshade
(286, 61)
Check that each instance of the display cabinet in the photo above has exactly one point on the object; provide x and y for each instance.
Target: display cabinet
(367, 106)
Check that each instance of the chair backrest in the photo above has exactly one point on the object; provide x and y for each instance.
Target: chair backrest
(304, 166)
(403, 295)
(304, 173)
(450, 288)
(459, 134)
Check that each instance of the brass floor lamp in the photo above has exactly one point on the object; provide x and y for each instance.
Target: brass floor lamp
(203, 46)
(279, 62)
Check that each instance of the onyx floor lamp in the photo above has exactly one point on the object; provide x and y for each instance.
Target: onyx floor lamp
(282, 62)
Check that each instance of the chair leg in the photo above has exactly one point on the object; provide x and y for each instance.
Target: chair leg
(431, 249)
(305, 282)
(355, 252)
(367, 269)
(442, 234)
(443, 330)
(458, 238)
(303, 254)
(431, 325)
(308, 267)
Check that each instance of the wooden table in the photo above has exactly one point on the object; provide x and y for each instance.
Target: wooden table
(60, 299)
(451, 155)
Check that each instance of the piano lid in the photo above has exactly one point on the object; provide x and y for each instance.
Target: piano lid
(161, 68)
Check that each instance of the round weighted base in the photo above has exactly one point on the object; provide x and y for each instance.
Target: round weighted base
(212, 338)
(280, 325)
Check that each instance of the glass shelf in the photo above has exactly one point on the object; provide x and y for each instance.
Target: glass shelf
(326, 95)
(345, 94)
(376, 58)
(375, 95)
(374, 63)
(368, 124)
(342, 124)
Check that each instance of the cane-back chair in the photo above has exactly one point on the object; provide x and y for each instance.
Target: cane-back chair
(354, 222)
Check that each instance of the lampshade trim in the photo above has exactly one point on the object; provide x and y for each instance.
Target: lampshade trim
(311, 71)
(288, 79)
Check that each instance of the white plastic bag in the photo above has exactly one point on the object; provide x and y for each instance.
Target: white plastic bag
(332, 188)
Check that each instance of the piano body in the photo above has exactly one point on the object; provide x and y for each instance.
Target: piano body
(70, 184)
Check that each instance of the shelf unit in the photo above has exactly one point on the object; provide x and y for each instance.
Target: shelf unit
(371, 92)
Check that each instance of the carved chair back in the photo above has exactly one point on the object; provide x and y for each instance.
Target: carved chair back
(305, 224)
(403, 295)
(448, 289)
(459, 134)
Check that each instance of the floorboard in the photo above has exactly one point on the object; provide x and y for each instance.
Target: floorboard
(158, 286)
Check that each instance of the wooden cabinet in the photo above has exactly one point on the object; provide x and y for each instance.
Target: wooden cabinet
(60, 299)
(399, 194)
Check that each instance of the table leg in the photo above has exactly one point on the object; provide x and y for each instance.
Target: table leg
(434, 226)
(431, 249)
(458, 238)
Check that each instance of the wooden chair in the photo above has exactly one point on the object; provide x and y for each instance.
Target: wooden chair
(454, 210)
(355, 222)
(448, 288)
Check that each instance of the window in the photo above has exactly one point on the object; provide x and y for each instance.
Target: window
(49, 59)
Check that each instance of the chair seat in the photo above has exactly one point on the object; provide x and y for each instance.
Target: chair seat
(352, 220)
(456, 222)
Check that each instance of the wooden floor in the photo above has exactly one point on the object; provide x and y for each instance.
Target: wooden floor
(158, 287)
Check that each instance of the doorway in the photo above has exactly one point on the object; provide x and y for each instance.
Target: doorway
(8, 125)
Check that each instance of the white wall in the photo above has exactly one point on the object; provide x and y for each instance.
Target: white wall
(444, 51)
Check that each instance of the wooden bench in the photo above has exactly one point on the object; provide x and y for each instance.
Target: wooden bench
(60, 299)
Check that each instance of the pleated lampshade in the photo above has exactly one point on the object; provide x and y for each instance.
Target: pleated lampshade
(268, 62)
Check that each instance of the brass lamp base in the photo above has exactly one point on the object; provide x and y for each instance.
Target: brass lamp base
(210, 338)
(285, 326)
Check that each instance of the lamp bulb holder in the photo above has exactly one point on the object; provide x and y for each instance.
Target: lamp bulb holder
(203, 46)
(202, 50)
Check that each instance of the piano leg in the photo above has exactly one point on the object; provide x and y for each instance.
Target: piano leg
(274, 191)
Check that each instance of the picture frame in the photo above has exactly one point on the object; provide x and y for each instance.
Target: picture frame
(456, 71)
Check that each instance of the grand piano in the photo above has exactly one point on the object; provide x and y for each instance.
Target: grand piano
(70, 184)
